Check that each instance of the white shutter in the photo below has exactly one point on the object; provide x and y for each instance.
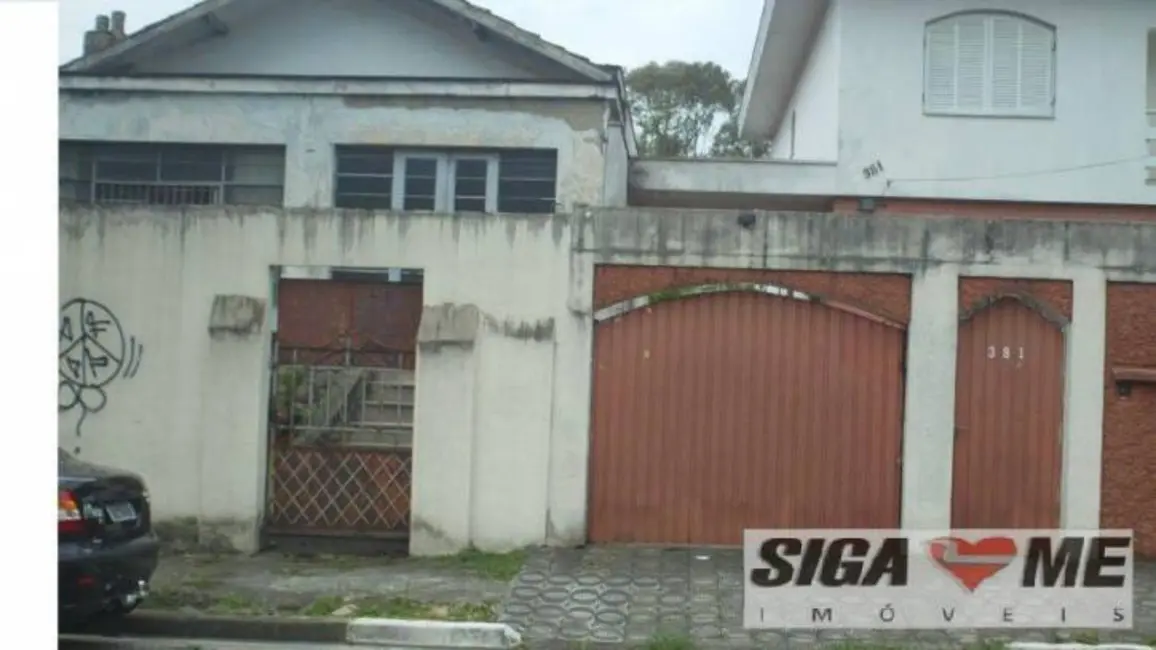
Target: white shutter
(939, 66)
(1037, 68)
(972, 57)
(1005, 63)
(989, 64)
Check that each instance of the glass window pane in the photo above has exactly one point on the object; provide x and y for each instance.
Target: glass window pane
(190, 171)
(470, 187)
(365, 163)
(421, 167)
(470, 168)
(126, 170)
(364, 184)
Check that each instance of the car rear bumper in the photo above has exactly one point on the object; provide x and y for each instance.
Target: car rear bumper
(94, 577)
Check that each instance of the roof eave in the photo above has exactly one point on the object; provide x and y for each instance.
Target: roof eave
(786, 35)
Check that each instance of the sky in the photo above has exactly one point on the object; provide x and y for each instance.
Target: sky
(623, 32)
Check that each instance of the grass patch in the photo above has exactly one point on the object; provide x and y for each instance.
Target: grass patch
(401, 608)
(496, 566)
(668, 642)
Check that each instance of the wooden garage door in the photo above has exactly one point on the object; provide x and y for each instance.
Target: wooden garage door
(743, 409)
(1009, 400)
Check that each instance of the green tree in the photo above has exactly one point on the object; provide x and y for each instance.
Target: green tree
(727, 142)
(676, 106)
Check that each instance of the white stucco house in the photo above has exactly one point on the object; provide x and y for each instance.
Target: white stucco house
(391, 272)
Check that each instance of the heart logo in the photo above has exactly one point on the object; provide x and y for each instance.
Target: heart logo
(971, 563)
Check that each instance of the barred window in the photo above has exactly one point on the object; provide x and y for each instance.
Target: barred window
(385, 178)
(171, 174)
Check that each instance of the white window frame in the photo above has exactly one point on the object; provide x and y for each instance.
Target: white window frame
(446, 178)
(1044, 112)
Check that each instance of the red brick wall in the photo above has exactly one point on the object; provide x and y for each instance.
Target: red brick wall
(1128, 490)
(1056, 294)
(887, 295)
(1002, 209)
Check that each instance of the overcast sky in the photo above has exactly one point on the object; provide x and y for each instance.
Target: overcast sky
(623, 32)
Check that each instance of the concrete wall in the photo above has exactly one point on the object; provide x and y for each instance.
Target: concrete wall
(506, 341)
(810, 130)
(350, 38)
(310, 126)
(192, 419)
(1099, 124)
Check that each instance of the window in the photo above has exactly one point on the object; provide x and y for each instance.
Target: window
(989, 64)
(171, 174)
(377, 178)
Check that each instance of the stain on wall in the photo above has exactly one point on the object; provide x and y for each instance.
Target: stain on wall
(1128, 491)
(95, 350)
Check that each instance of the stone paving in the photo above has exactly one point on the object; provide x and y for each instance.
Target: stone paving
(597, 595)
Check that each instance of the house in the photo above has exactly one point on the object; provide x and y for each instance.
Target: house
(307, 332)
(233, 108)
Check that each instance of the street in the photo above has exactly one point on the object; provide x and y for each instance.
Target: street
(83, 642)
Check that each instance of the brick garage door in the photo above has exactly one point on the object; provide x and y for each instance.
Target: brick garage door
(1128, 488)
(727, 407)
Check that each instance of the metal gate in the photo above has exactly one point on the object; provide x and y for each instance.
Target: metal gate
(1008, 415)
(341, 409)
(724, 407)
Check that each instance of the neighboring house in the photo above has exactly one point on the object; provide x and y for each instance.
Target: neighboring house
(1026, 100)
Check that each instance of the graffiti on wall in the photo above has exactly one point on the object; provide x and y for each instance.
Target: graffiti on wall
(94, 351)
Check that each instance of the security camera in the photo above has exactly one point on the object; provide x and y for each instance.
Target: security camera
(746, 220)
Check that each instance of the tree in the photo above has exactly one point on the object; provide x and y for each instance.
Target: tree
(687, 110)
(676, 106)
(727, 142)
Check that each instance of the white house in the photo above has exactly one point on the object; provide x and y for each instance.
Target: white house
(250, 105)
(365, 269)
(1026, 100)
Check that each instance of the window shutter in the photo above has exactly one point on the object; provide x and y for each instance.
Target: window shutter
(1005, 63)
(939, 88)
(1037, 58)
(993, 63)
(972, 63)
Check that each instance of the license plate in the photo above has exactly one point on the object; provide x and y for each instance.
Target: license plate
(120, 512)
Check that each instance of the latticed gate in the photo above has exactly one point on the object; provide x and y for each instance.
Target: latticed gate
(341, 408)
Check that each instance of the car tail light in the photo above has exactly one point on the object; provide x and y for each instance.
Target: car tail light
(68, 516)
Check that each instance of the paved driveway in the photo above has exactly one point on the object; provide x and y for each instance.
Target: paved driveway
(615, 595)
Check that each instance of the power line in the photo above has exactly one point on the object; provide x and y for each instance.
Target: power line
(1043, 172)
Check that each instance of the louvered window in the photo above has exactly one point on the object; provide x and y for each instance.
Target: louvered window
(989, 64)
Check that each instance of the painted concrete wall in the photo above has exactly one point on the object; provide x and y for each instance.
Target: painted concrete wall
(192, 420)
(310, 127)
(1099, 122)
(617, 170)
(507, 466)
(373, 38)
(813, 114)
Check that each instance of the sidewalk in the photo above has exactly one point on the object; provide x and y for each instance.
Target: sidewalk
(675, 599)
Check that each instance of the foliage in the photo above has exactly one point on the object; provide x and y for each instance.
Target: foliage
(678, 107)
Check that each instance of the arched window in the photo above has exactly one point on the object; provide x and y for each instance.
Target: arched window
(989, 63)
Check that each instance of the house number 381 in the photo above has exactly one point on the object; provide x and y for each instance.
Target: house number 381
(1005, 352)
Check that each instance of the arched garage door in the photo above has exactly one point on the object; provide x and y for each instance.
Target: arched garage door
(731, 407)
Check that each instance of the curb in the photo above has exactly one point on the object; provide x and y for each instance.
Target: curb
(282, 629)
(1028, 645)
(285, 629)
(432, 634)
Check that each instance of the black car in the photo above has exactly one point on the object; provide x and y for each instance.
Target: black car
(108, 550)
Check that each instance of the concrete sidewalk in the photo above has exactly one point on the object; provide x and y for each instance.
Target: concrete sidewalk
(556, 598)
(616, 595)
